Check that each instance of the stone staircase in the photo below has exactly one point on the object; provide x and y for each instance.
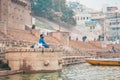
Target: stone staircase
(5, 44)
(15, 43)
(82, 45)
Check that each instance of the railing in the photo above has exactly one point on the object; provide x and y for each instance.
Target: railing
(69, 60)
(14, 43)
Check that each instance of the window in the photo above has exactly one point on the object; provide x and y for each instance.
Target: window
(78, 18)
(93, 27)
(90, 27)
(110, 23)
(87, 18)
(83, 18)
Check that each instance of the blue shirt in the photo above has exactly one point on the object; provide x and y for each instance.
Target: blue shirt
(42, 41)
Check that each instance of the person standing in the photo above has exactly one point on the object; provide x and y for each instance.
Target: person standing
(113, 49)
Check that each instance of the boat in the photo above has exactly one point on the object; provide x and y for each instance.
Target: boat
(104, 62)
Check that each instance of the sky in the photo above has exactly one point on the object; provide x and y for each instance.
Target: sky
(98, 4)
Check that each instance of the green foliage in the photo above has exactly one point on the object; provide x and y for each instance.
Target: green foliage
(68, 16)
(41, 7)
(47, 9)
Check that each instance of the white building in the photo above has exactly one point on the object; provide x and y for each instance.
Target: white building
(114, 25)
(113, 18)
(83, 15)
(81, 18)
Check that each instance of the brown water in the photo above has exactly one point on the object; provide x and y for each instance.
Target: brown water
(73, 72)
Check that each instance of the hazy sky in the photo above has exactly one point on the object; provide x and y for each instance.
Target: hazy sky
(97, 4)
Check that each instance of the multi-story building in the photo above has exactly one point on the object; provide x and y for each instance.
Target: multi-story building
(84, 23)
(107, 9)
(113, 19)
(114, 25)
(15, 13)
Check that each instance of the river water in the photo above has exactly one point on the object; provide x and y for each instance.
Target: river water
(73, 72)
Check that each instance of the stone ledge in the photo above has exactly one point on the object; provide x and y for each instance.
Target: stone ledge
(13, 43)
(32, 50)
(5, 73)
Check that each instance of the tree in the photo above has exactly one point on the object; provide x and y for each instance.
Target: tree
(47, 9)
(41, 7)
(67, 13)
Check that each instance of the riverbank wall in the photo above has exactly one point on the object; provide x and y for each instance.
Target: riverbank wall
(34, 60)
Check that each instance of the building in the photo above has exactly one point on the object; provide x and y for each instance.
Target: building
(112, 17)
(85, 25)
(82, 13)
(15, 13)
(81, 18)
(114, 25)
(107, 8)
(91, 24)
(101, 19)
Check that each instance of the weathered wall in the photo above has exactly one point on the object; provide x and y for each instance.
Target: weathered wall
(63, 37)
(33, 60)
(36, 33)
(15, 13)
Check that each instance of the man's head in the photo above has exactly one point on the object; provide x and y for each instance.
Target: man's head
(41, 35)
